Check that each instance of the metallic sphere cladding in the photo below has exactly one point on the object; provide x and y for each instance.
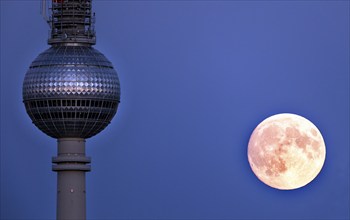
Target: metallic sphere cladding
(71, 91)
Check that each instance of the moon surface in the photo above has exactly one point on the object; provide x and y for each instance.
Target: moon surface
(286, 151)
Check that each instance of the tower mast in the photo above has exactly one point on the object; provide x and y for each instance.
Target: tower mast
(71, 92)
(71, 165)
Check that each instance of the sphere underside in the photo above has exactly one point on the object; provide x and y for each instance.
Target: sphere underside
(71, 91)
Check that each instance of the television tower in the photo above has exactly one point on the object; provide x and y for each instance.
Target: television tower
(71, 92)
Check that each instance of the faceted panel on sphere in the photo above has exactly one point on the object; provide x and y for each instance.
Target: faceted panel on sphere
(71, 91)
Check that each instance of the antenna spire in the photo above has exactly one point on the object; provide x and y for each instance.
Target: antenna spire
(72, 21)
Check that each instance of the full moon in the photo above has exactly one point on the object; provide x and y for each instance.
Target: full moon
(286, 151)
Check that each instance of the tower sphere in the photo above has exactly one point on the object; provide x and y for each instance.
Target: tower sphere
(71, 91)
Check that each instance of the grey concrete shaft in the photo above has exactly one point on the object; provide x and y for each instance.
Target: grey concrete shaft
(71, 165)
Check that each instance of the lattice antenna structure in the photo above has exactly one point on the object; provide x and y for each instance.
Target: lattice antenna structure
(72, 22)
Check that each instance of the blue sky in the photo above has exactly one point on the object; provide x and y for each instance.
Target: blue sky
(196, 78)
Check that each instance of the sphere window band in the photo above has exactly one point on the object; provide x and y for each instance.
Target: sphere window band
(71, 103)
(49, 115)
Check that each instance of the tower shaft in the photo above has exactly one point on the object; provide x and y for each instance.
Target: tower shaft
(71, 165)
(72, 21)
